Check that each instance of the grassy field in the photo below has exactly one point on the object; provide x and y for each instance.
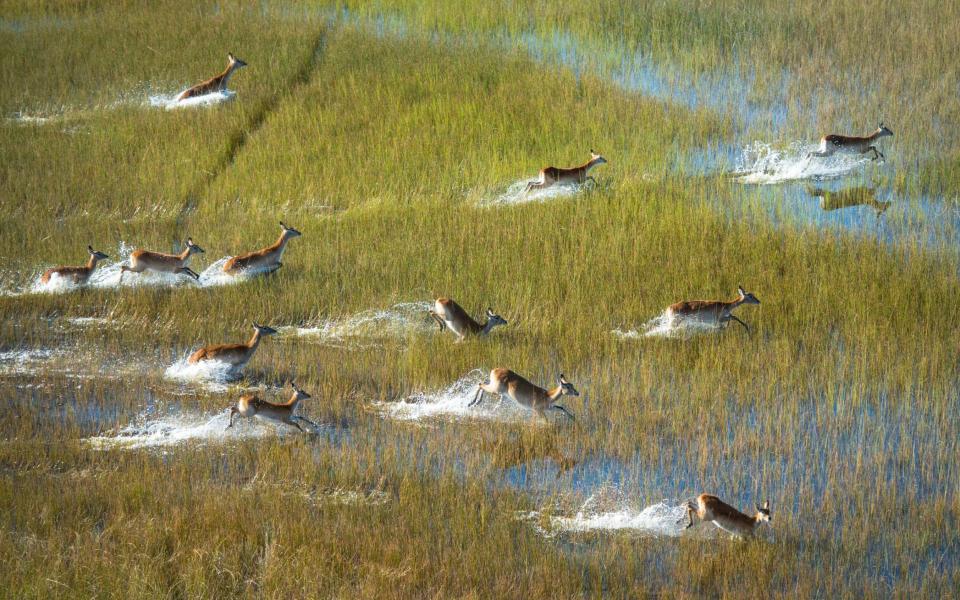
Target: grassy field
(394, 136)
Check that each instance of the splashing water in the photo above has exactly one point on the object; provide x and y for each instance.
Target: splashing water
(397, 321)
(213, 375)
(169, 101)
(25, 362)
(606, 510)
(668, 325)
(452, 401)
(172, 430)
(108, 275)
(762, 164)
(517, 194)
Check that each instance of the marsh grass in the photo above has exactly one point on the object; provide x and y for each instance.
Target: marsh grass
(841, 408)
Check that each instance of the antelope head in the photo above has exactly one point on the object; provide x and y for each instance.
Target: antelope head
(235, 62)
(883, 131)
(763, 513)
(289, 232)
(193, 248)
(96, 255)
(264, 329)
(746, 297)
(494, 319)
(596, 158)
(566, 388)
(299, 394)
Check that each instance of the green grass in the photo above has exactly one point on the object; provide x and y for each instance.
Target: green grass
(385, 150)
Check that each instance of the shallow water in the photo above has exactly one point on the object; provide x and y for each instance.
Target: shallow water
(366, 328)
(452, 403)
(517, 193)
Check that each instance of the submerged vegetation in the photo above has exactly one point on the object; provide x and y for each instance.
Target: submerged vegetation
(395, 136)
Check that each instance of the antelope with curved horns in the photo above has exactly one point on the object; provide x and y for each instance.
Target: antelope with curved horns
(448, 313)
(845, 198)
(524, 393)
(144, 260)
(726, 517)
(711, 312)
(249, 406)
(79, 275)
(236, 355)
(830, 144)
(266, 259)
(214, 84)
(574, 175)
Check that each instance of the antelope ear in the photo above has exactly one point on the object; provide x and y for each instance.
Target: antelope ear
(562, 379)
(741, 291)
(90, 248)
(489, 312)
(282, 225)
(255, 325)
(230, 56)
(766, 505)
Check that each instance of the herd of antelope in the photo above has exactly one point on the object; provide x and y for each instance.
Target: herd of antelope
(447, 313)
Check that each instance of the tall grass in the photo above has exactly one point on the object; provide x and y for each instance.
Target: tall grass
(386, 150)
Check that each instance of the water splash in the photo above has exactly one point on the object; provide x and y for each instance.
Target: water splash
(213, 375)
(606, 511)
(452, 402)
(169, 101)
(398, 321)
(25, 362)
(762, 164)
(668, 325)
(517, 194)
(172, 430)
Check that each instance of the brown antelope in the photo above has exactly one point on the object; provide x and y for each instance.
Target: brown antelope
(249, 406)
(214, 84)
(267, 259)
(845, 198)
(574, 175)
(711, 312)
(448, 313)
(726, 517)
(236, 355)
(829, 144)
(524, 393)
(145, 260)
(78, 275)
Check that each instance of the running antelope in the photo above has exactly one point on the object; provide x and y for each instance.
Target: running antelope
(266, 259)
(448, 313)
(855, 196)
(79, 275)
(829, 144)
(214, 84)
(726, 517)
(524, 393)
(249, 406)
(574, 175)
(145, 260)
(236, 355)
(711, 312)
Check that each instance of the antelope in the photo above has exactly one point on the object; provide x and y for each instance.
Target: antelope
(712, 312)
(726, 517)
(249, 406)
(855, 196)
(79, 275)
(448, 313)
(524, 393)
(236, 355)
(144, 260)
(574, 175)
(214, 84)
(829, 144)
(267, 258)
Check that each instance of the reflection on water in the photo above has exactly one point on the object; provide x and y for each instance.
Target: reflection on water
(849, 197)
